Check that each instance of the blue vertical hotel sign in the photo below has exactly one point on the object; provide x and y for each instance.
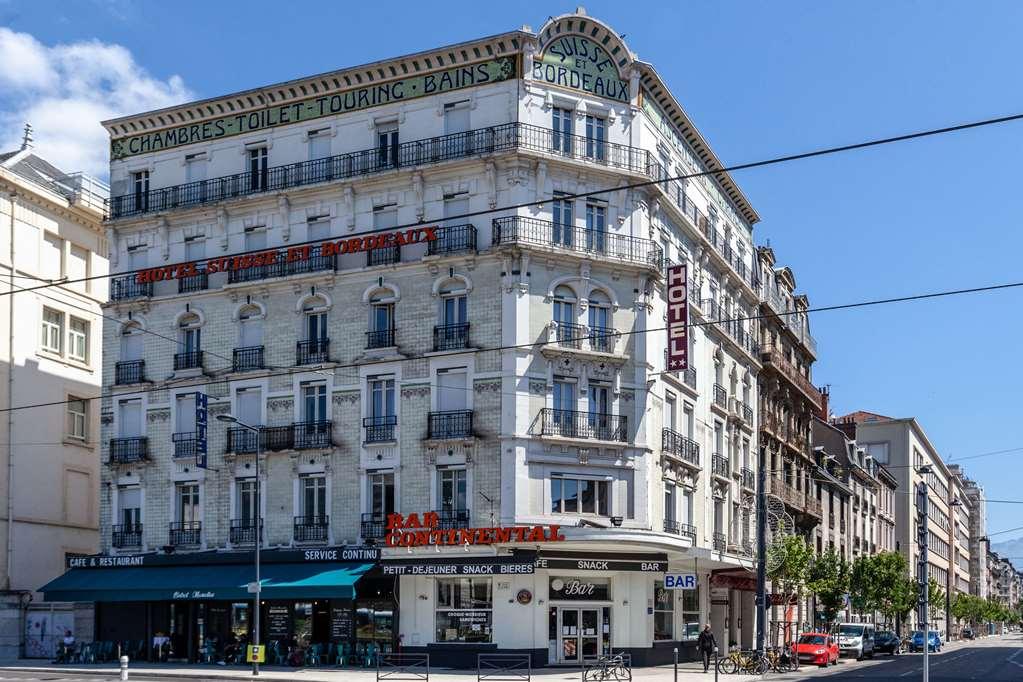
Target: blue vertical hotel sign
(201, 423)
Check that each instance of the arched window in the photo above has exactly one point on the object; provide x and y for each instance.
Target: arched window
(601, 328)
(131, 342)
(453, 330)
(564, 315)
(189, 355)
(249, 353)
(315, 343)
(381, 319)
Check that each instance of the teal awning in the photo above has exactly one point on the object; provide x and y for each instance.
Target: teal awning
(196, 583)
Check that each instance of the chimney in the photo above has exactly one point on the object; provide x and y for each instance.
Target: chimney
(824, 411)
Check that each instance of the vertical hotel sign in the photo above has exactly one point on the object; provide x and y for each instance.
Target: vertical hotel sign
(678, 318)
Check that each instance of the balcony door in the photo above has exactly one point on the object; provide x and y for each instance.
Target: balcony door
(129, 503)
(565, 407)
(251, 329)
(130, 419)
(314, 497)
(381, 399)
(249, 404)
(454, 205)
(599, 409)
(381, 494)
(131, 343)
(596, 227)
(185, 415)
(452, 393)
(456, 129)
(451, 490)
(564, 222)
(670, 411)
(316, 326)
(245, 500)
(188, 504)
(561, 122)
(314, 402)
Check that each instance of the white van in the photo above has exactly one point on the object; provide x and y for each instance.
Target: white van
(856, 638)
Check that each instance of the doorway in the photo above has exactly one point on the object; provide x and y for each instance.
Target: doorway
(583, 633)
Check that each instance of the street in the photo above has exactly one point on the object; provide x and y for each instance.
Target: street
(993, 659)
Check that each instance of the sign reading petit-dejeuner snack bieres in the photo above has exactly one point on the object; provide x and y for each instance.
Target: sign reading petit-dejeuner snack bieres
(579, 63)
(365, 97)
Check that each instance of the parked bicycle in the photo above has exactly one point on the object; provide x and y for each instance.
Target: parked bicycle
(748, 662)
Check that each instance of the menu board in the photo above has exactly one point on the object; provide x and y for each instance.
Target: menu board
(341, 623)
(278, 621)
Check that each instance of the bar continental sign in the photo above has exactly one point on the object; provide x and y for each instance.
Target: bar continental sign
(355, 99)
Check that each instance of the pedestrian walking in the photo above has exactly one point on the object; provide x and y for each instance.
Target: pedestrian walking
(706, 644)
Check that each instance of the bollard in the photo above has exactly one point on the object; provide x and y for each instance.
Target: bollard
(715, 664)
(676, 663)
(124, 667)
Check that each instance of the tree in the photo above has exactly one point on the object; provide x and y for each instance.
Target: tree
(864, 587)
(894, 592)
(962, 606)
(828, 578)
(790, 557)
(935, 599)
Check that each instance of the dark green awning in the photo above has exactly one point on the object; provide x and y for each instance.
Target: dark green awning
(196, 583)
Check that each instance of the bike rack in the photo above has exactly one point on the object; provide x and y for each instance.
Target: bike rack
(403, 667)
(504, 667)
(616, 667)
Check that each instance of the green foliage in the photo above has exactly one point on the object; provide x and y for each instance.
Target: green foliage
(864, 586)
(935, 598)
(883, 582)
(828, 578)
(789, 557)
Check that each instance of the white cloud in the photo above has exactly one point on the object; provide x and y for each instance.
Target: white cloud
(64, 91)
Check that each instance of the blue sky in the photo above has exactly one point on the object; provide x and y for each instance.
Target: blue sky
(759, 79)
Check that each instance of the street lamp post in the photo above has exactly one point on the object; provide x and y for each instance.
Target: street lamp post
(231, 419)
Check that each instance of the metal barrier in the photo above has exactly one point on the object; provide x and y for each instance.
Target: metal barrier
(505, 667)
(616, 667)
(403, 667)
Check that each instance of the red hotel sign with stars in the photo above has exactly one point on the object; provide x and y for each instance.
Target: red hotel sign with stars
(678, 318)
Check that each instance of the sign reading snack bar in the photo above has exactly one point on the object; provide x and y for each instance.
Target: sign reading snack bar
(422, 85)
(417, 530)
(581, 64)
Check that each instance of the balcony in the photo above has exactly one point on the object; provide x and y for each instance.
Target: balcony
(451, 336)
(748, 478)
(126, 287)
(580, 425)
(312, 435)
(374, 526)
(126, 535)
(193, 283)
(544, 234)
(452, 424)
(719, 466)
(747, 414)
(183, 533)
(671, 526)
(795, 499)
(452, 239)
(720, 542)
(689, 377)
(582, 338)
(188, 360)
(312, 352)
(452, 519)
(129, 372)
(794, 322)
(185, 444)
(247, 359)
(242, 532)
(681, 447)
(687, 530)
(380, 338)
(128, 450)
(282, 266)
(720, 396)
(771, 356)
(311, 528)
(387, 255)
(380, 429)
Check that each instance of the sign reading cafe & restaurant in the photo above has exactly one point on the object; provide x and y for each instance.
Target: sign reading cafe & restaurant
(579, 63)
(411, 87)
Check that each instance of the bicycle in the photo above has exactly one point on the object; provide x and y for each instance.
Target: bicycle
(749, 662)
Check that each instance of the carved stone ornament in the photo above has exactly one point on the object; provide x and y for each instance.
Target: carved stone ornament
(159, 415)
(627, 395)
(106, 418)
(348, 397)
(279, 404)
(537, 387)
(417, 391)
(487, 386)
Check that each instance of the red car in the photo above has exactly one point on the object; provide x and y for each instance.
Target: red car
(817, 647)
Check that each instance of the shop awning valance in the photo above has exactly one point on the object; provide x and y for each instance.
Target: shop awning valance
(212, 582)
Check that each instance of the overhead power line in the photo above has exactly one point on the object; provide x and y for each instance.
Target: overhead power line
(636, 185)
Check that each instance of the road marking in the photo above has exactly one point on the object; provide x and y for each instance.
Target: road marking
(1009, 659)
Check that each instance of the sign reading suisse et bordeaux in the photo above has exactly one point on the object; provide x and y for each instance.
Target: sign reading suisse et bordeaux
(411, 87)
(293, 254)
(678, 318)
(416, 531)
(579, 63)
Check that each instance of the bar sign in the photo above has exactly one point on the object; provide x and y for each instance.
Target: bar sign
(678, 318)
(201, 422)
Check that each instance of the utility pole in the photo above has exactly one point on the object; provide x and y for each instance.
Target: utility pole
(921, 565)
(761, 599)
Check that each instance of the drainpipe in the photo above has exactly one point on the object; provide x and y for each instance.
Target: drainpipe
(10, 398)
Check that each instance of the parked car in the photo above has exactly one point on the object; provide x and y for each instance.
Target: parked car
(856, 638)
(916, 642)
(968, 633)
(887, 642)
(818, 648)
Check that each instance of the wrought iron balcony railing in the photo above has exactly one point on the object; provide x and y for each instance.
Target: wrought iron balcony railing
(451, 336)
(130, 372)
(580, 337)
(671, 526)
(687, 530)
(185, 443)
(126, 535)
(297, 436)
(689, 377)
(747, 414)
(247, 358)
(283, 267)
(719, 466)
(380, 338)
(128, 450)
(374, 526)
(185, 533)
(748, 478)
(312, 352)
(720, 396)
(380, 429)
(568, 238)
(587, 425)
(127, 287)
(449, 424)
(720, 542)
(188, 360)
(197, 282)
(387, 255)
(243, 531)
(774, 357)
(682, 447)
(449, 519)
(568, 335)
(453, 239)
(312, 434)
(311, 528)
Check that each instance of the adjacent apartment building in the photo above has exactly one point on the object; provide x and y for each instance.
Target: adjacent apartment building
(458, 409)
(50, 228)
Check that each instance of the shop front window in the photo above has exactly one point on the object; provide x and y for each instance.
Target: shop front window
(664, 612)
(690, 614)
(464, 610)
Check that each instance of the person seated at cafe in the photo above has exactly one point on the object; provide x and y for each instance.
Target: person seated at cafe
(161, 646)
(67, 648)
(231, 648)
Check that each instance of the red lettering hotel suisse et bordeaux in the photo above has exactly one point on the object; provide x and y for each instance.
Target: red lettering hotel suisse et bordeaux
(415, 531)
(293, 254)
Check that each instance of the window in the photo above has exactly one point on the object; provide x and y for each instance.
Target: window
(140, 187)
(456, 126)
(385, 216)
(255, 238)
(78, 267)
(319, 143)
(691, 614)
(686, 507)
(314, 496)
(688, 420)
(387, 145)
(452, 392)
(596, 226)
(195, 167)
(601, 331)
(670, 418)
(129, 423)
(52, 330)
(250, 323)
(195, 247)
(381, 494)
(258, 174)
(245, 499)
(78, 339)
(464, 609)
(381, 391)
(184, 417)
(596, 147)
(664, 612)
(249, 403)
(188, 503)
(314, 402)
(453, 309)
(564, 313)
(669, 501)
(129, 505)
(318, 228)
(451, 489)
(190, 333)
(564, 398)
(564, 230)
(562, 126)
(77, 418)
(580, 496)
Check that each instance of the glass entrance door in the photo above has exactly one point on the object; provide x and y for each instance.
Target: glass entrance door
(584, 634)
